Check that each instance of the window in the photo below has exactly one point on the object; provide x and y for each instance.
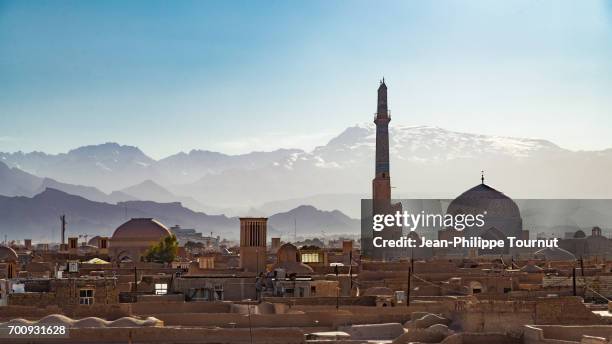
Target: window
(218, 291)
(161, 288)
(313, 291)
(86, 297)
(310, 258)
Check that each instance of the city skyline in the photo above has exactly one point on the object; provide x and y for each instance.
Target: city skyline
(237, 78)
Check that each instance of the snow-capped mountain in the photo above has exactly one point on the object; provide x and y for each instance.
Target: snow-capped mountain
(425, 162)
(425, 143)
(189, 167)
(107, 166)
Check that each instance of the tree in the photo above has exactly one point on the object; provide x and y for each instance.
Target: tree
(164, 251)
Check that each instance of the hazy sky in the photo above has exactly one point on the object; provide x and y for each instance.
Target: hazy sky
(237, 76)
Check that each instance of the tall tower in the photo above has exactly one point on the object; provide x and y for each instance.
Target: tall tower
(381, 185)
(253, 239)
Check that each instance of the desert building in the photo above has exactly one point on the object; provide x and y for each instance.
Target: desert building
(8, 262)
(130, 240)
(253, 249)
(581, 245)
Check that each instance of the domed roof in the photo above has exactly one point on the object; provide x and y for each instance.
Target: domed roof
(287, 258)
(94, 241)
(579, 234)
(287, 253)
(142, 228)
(7, 254)
(554, 254)
(484, 198)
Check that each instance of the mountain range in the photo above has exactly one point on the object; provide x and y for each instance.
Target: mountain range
(37, 217)
(426, 162)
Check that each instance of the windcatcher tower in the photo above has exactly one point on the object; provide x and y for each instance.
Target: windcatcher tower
(381, 185)
(253, 239)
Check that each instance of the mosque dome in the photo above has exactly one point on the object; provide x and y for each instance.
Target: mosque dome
(142, 228)
(554, 254)
(579, 234)
(484, 198)
(7, 254)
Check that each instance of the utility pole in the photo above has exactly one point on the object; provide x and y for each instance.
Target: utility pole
(351, 271)
(250, 324)
(583, 280)
(574, 280)
(408, 289)
(337, 287)
(135, 280)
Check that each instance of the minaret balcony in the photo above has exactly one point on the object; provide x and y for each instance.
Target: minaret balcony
(376, 115)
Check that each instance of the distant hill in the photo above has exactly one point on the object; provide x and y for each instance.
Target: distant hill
(15, 182)
(151, 191)
(38, 217)
(308, 221)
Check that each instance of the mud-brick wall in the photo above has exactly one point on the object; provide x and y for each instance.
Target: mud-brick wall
(511, 316)
(38, 300)
(564, 311)
(65, 293)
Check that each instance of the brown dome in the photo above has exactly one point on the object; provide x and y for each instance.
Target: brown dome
(484, 198)
(143, 228)
(7, 254)
(287, 253)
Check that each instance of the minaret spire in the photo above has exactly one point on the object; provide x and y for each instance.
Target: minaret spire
(482, 177)
(381, 185)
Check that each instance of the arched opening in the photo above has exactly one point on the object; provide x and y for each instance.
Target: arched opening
(476, 287)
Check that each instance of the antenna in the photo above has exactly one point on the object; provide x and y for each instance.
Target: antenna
(294, 230)
(63, 219)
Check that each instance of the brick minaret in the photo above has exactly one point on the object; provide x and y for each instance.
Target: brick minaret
(381, 185)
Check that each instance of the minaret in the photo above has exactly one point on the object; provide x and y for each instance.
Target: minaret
(381, 185)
